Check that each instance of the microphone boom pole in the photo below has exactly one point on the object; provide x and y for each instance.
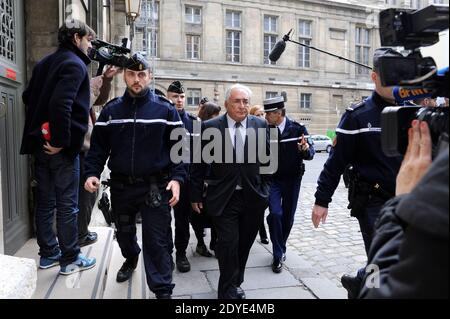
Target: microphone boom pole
(287, 38)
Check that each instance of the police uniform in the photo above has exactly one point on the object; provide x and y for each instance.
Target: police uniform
(286, 182)
(358, 143)
(134, 133)
(183, 210)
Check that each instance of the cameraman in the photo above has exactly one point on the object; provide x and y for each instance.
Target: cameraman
(410, 248)
(358, 143)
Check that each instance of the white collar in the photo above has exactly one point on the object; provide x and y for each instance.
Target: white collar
(282, 126)
(232, 123)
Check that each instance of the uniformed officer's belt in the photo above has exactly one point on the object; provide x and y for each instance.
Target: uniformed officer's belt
(130, 180)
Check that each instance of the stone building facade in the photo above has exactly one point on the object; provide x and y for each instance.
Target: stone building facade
(209, 45)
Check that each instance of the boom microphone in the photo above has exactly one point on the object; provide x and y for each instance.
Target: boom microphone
(279, 48)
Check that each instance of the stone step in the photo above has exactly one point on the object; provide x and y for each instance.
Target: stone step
(18, 277)
(87, 284)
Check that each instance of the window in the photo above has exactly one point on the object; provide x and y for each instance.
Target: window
(305, 37)
(305, 101)
(362, 51)
(193, 97)
(147, 29)
(270, 95)
(8, 31)
(233, 36)
(270, 36)
(338, 102)
(193, 47)
(415, 4)
(233, 20)
(391, 3)
(269, 43)
(193, 15)
(270, 24)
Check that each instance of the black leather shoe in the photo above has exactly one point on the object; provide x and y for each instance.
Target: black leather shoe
(88, 240)
(240, 293)
(183, 264)
(165, 295)
(352, 285)
(265, 241)
(277, 265)
(127, 269)
(203, 251)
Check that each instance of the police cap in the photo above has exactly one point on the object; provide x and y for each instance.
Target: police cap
(382, 52)
(176, 87)
(137, 63)
(274, 104)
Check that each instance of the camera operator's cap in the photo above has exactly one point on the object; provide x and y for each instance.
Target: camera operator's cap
(382, 52)
(274, 104)
(137, 63)
(176, 87)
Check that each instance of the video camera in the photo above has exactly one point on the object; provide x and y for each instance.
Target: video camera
(109, 54)
(417, 75)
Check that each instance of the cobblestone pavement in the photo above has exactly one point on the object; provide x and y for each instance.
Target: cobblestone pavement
(334, 248)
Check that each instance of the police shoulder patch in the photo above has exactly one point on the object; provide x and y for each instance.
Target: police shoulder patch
(164, 99)
(297, 124)
(193, 117)
(353, 107)
(112, 102)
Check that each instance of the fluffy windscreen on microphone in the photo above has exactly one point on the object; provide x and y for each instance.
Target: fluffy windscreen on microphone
(277, 51)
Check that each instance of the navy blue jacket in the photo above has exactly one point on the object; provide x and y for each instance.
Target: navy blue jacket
(290, 158)
(188, 121)
(58, 93)
(135, 134)
(358, 142)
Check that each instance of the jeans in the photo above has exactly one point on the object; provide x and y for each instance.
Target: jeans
(57, 179)
(86, 204)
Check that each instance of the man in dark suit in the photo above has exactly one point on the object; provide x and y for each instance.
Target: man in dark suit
(238, 193)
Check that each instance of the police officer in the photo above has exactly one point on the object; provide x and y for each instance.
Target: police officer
(285, 189)
(182, 211)
(358, 144)
(134, 132)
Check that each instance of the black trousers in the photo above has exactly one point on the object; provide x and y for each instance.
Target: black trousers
(86, 202)
(236, 228)
(126, 201)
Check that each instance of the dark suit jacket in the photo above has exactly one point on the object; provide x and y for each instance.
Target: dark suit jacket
(222, 178)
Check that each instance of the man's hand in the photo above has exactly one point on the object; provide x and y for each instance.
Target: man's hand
(112, 71)
(197, 207)
(174, 186)
(417, 159)
(319, 213)
(92, 184)
(303, 145)
(50, 150)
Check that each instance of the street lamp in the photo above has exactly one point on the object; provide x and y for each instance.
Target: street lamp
(133, 10)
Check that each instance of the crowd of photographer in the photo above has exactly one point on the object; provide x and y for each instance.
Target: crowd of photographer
(405, 233)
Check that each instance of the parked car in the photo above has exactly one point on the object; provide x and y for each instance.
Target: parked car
(322, 143)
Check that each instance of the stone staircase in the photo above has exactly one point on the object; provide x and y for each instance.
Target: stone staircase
(297, 281)
(88, 284)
